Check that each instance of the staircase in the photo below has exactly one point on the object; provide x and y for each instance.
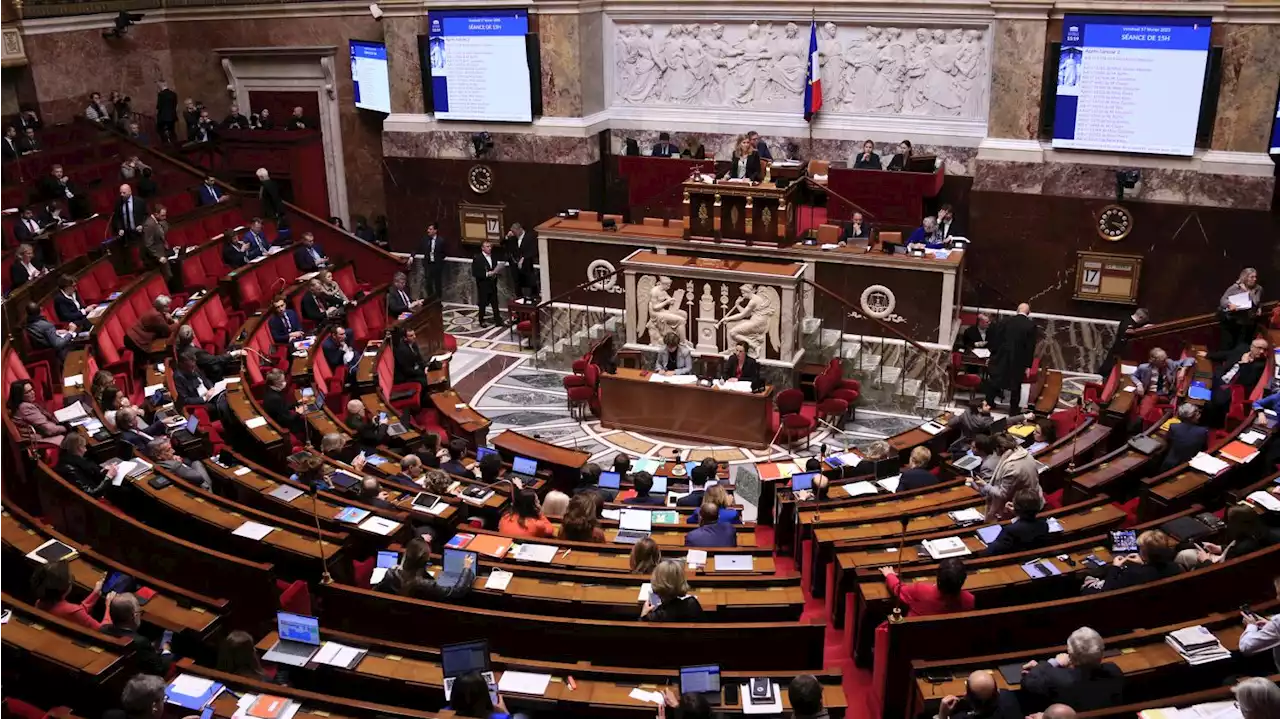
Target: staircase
(572, 322)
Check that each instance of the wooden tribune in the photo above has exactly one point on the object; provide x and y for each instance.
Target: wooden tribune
(743, 213)
(628, 400)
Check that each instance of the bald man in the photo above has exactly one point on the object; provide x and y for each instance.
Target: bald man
(1014, 350)
(982, 700)
(126, 221)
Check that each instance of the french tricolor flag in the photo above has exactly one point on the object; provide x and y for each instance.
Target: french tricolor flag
(813, 86)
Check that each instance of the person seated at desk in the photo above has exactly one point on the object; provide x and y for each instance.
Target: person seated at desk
(1043, 434)
(1186, 438)
(86, 474)
(32, 420)
(946, 595)
(581, 521)
(417, 557)
(971, 423)
(1078, 677)
(740, 365)
(947, 225)
(1157, 379)
(255, 241)
(524, 517)
(457, 449)
(50, 585)
(319, 307)
(643, 482)
(43, 334)
(339, 353)
(1026, 531)
(976, 335)
(398, 299)
(471, 698)
(1243, 366)
(24, 267)
(1245, 532)
(411, 474)
(670, 600)
(308, 256)
(902, 160)
(745, 162)
(490, 467)
(758, 144)
(917, 474)
(1256, 697)
(219, 366)
(555, 504)
(645, 556)
(160, 450)
(710, 532)
(237, 656)
(284, 325)
(27, 229)
(1154, 560)
(805, 694)
(368, 433)
(126, 618)
(984, 447)
(716, 494)
(867, 159)
(410, 365)
(664, 147)
(127, 423)
(674, 358)
(983, 699)
(234, 250)
(856, 230)
(1260, 633)
(195, 389)
(288, 415)
(371, 493)
(67, 305)
(926, 236)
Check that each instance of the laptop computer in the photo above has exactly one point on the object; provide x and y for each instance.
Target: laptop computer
(460, 659)
(454, 563)
(802, 481)
(386, 560)
(344, 480)
(634, 525)
(610, 480)
(482, 452)
(299, 640)
(968, 463)
(187, 431)
(316, 399)
(524, 468)
(703, 679)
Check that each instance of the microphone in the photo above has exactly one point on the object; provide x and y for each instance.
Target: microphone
(897, 617)
(313, 488)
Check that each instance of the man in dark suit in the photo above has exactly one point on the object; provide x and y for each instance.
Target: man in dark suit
(664, 147)
(57, 186)
(433, 261)
(131, 433)
(155, 247)
(867, 159)
(235, 120)
(297, 121)
(759, 145)
(283, 323)
(29, 142)
(1015, 350)
(710, 532)
(9, 147)
(339, 353)
(191, 118)
(166, 113)
(1027, 531)
(485, 270)
(210, 193)
(255, 240)
(193, 386)
(67, 305)
(127, 218)
(740, 365)
(947, 225)
(1136, 320)
(27, 228)
(368, 432)
(234, 250)
(29, 118)
(398, 299)
(522, 248)
(856, 230)
(1186, 438)
(410, 366)
(126, 617)
(43, 334)
(975, 336)
(269, 194)
(308, 257)
(1078, 677)
(283, 412)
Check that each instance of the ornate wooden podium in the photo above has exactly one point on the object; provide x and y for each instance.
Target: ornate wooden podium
(740, 213)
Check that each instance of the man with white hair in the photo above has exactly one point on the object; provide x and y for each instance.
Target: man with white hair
(161, 451)
(1186, 438)
(156, 323)
(1257, 698)
(143, 697)
(1078, 677)
(926, 236)
(269, 194)
(1055, 711)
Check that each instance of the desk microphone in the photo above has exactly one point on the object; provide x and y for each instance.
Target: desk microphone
(313, 488)
(897, 617)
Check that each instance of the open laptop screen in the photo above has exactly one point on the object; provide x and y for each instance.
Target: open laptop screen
(298, 628)
(700, 679)
(459, 659)
(524, 465)
(610, 480)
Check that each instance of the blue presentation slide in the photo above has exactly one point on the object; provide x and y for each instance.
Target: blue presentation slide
(370, 77)
(1130, 84)
(479, 70)
(1275, 130)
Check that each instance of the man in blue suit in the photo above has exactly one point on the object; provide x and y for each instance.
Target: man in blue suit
(255, 240)
(210, 194)
(338, 353)
(308, 256)
(710, 532)
(1186, 438)
(283, 323)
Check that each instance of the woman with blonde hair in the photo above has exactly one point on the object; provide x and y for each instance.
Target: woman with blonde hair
(670, 600)
(581, 523)
(555, 503)
(717, 495)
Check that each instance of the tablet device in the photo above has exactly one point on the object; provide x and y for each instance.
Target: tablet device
(610, 480)
(1124, 541)
(659, 486)
(425, 500)
(1198, 390)
(116, 582)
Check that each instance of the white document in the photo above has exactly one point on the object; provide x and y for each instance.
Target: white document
(734, 563)
(967, 515)
(379, 573)
(735, 386)
(849, 459)
(1208, 464)
(1252, 437)
(614, 514)
(524, 683)
(673, 378)
(1130, 388)
(380, 525)
(442, 358)
(946, 547)
(190, 686)
(981, 352)
(255, 422)
(122, 470)
(438, 508)
(890, 483)
(749, 708)
(932, 427)
(647, 696)
(253, 530)
(640, 520)
(285, 493)
(1241, 300)
(646, 464)
(1266, 500)
(338, 655)
(241, 471)
(696, 558)
(151, 389)
(646, 590)
(857, 489)
(75, 380)
(498, 580)
(541, 553)
(1128, 369)
(70, 412)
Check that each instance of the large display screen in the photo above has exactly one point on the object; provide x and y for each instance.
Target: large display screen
(479, 65)
(1275, 134)
(1130, 83)
(370, 77)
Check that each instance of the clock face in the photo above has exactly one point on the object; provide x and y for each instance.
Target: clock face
(1114, 223)
(480, 179)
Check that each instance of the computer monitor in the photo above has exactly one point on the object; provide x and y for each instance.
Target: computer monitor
(464, 658)
(482, 452)
(298, 628)
(525, 466)
(802, 481)
(610, 480)
(703, 679)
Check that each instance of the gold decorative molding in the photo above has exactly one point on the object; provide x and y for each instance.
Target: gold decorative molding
(14, 53)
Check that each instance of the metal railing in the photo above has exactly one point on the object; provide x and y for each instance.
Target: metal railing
(569, 323)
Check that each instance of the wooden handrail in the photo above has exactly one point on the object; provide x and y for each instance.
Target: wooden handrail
(1182, 324)
(580, 286)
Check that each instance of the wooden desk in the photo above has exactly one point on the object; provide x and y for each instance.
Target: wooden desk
(1182, 485)
(628, 400)
(564, 463)
(460, 419)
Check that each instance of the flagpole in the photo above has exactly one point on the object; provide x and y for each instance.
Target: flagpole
(813, 23)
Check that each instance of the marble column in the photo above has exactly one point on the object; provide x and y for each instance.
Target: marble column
(1247, 93)
(1017, 67)
(561, 47)
(405, 66)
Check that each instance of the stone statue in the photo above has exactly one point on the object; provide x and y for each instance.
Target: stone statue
(914, 96)
(891, 64)
(940, 86)
(831, 63)
(659, 309)
(863, 69)
(647, 70)
(723, 57)
(751, 74)
(969, 66)
(790, 64)
(754, 318)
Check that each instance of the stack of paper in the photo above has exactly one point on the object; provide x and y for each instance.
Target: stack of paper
(645, 464)
(646, 590)
(735, 385)
(981, 352)
(647, 696)
(1266, 500)
(786, 469)
(1197, 645)
(673, 378)
(338, 655)
(1208, 464)
(70, 412)
(847, 459)
(1238, 452)
(858, 489)
(968, 515)
(697, 558)
(253, 530)
(945, 547)
(524, 683)
(890, 484)
(540, 553)
(380, 525)
(498, 580)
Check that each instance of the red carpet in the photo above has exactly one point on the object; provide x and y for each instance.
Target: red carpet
(857, 681)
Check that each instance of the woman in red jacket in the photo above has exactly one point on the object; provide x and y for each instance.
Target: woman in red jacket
(946, 595)
(52, 583)
(524, 518)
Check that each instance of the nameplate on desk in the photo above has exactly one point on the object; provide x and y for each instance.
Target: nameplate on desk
(710, 262)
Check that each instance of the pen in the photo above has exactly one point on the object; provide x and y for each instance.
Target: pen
(573, 686)
(566, 553)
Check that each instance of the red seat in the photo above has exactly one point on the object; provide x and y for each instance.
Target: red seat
(295, 597)
(411, 391)
(792, 424)
(960, 378)
(584, 396)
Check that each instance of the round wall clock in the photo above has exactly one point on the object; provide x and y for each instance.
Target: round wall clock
(1114, 223)
(480, 179)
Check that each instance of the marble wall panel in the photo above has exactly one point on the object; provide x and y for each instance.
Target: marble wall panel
(1247, 93)
(1017, 67)
(591, 54)
(507, 147)
(562, 66)
(405, 66)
